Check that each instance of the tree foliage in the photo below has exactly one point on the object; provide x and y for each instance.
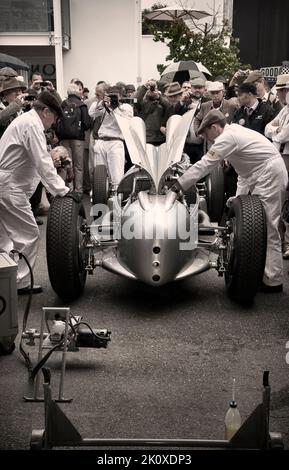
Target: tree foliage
(202, 44)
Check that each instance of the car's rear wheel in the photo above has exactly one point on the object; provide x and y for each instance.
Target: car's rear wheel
(65, 250)
(246, 252)
(215, 194)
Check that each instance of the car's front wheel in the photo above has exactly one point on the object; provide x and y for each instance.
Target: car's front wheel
(65, 249)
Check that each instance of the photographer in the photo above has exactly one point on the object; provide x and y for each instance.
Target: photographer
(109, 142)
(152, 107)
(38, 85)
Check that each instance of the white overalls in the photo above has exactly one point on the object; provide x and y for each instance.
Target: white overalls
(24, 160)
(261, 170)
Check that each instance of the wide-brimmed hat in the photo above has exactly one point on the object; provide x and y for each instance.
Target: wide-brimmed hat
(46, 98)
(174, 89)
(282, 80)
(215, 86)
(212, 117)
(8, 72)
(254, 76)
(10, 83)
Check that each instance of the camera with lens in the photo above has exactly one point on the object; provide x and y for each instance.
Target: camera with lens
(27, 105)
(44, 84)
(114, 101)
(30, 98)
(152, 88)
(64, 161)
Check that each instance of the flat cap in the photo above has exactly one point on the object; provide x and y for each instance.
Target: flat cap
(212, 117)
(215, 86)
(198, 82)
(247, 88)
(254, 76)
(47, 98)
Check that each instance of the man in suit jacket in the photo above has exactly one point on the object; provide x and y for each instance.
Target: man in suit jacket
(216, 92)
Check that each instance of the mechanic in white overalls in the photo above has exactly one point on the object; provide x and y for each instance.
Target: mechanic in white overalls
(24, 160)
(261, 170)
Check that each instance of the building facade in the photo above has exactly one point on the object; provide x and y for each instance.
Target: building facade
(89, 39)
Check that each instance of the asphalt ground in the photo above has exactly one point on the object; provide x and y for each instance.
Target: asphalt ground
(168, 370)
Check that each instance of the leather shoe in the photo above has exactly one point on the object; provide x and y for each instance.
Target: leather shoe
(26, 290)
(271, 289)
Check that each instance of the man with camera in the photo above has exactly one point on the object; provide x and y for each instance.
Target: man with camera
(152, 107)
(38, 85)
(109, 142)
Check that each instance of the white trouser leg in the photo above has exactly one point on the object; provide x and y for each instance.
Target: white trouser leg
(99, 154)
(115, 160)
(21, 229)
(271, 188)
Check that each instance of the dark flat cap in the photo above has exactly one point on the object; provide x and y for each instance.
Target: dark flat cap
(247, 87)
(47, 98)
(212, 117)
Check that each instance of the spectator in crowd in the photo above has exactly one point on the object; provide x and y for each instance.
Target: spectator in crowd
(278, 131)
(237, 79)
(174, 93)
(85, 94)
(216, 92)
(186, 86)
(261, 170)
(37, 85)
(80, 85)
(71, 131)
(256, 77)
(253, 113)
(109, 141)
(130, 90)
(12, 101)
(198, 91)
(152, 107)
(24, 159)
(7, 72)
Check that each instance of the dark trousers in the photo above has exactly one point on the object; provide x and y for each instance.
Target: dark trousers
(36, 198)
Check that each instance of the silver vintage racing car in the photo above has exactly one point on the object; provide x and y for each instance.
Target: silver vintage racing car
(144, 232)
